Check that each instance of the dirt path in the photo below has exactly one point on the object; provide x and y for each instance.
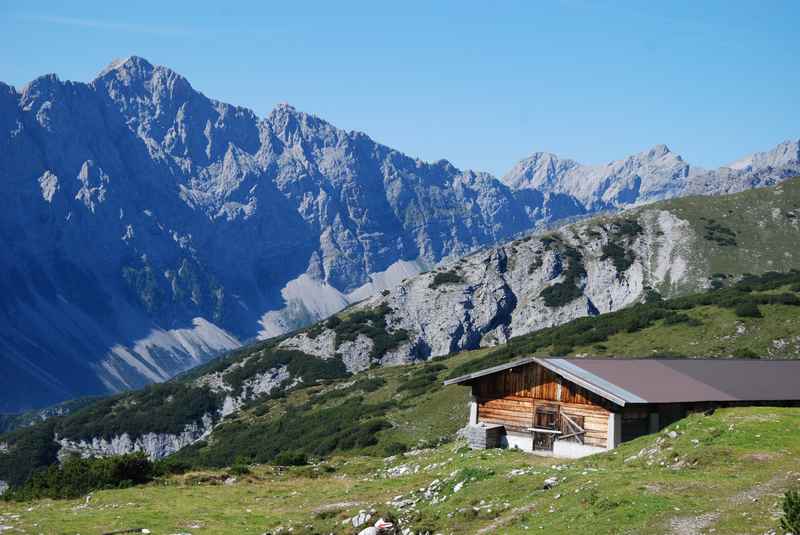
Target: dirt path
(694, 525)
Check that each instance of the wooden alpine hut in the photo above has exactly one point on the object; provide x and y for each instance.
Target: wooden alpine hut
(572, 407)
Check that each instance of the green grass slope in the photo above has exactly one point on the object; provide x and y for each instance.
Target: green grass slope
(724, 473)
(385, 410)
(746, 232)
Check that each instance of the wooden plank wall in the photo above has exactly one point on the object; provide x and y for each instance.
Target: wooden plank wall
(534, 381)
(511, 396)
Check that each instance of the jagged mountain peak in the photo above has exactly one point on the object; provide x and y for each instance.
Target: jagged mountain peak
(657, 151)
(44, 83)
(784, 153)
(135, 77)
(130, 64)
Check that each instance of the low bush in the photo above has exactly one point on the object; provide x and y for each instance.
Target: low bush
(351, 424)
(298, 364)
(290, 458)
(621, 257)
(719, 234)
(445, 277)
(674, 319)
(76, 477)
(790, 521)
(394, 448)
(372, 324)
(748, 309)
(239, 470)
(421, 381)
(563, 293)
(745, 353)
(159, 408)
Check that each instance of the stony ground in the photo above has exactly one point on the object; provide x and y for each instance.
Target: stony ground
(724, 473)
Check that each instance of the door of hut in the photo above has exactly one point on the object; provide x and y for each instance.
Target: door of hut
(544, 419)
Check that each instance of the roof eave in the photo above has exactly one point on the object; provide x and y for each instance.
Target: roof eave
(488, 371)
(581, 382)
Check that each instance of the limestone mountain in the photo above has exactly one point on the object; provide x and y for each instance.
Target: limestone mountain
(147, 228)
(588, 268)
(652, 175)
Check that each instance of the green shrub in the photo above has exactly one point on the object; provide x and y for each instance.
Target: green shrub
(291, 458)
(790, 521)
(422, 380)
(562, 349)
(653, 297)
(719, 234)
(394, 448)
(629, 228)
(748, 309)
(745, 353)
(298, 364)
(621, 257)
(536, 264)
(674, 319)
(372, 324)
(563, 293)
(308, 430)
(170, 465)
(239, 470)
(159, 408)
(315, 330)
(76, 477)
(445, 277)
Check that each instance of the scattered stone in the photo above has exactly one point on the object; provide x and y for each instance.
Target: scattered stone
(550, 482)
(360, 519)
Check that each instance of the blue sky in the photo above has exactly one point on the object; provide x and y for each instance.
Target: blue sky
(482, 84)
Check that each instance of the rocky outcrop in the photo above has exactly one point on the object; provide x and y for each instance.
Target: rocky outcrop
(155, 445)
(529, 284)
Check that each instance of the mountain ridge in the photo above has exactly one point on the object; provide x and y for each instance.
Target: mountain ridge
(150, 228)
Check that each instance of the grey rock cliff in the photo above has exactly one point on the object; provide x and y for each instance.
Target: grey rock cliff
(147, 228)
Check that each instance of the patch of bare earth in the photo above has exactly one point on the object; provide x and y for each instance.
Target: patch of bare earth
(692, 525)
(507, 518)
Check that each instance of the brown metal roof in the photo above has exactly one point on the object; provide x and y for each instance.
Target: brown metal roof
(625, 381)
(680, 380)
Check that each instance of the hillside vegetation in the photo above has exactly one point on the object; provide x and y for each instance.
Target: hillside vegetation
(387, 410)
(724, 473)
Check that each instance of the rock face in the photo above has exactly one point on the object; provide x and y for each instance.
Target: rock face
(595, 266)
(652, 175)
(155, 445)
(502, 292)
(147, 228)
